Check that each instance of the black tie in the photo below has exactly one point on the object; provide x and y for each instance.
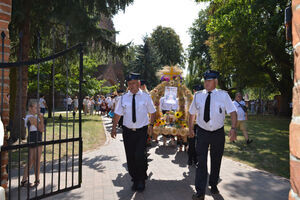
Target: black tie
(133, 109)
(207, 108)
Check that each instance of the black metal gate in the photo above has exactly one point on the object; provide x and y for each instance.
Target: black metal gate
(61, 159)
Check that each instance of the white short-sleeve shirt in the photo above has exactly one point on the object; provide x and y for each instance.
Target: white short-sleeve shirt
(69, 101)
(241, 115)
(42, 102)
(144, 105)
(220, 102)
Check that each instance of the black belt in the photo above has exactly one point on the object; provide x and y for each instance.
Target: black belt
(135, 129)
(215, 131)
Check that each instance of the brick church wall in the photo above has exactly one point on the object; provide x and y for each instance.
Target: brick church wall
(295, 123)
(5, 16)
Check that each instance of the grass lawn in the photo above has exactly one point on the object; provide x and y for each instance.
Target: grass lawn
(93, 136)
(270, 148)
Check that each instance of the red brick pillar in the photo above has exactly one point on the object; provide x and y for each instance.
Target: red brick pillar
(295, 123)
(5, 16)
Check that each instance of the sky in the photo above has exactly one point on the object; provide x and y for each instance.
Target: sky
(143, 16)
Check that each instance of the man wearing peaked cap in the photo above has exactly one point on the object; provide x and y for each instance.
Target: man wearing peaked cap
(134, 106)
(210, 106)
(133, 76)
(211, 74)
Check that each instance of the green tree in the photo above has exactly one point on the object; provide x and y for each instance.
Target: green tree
(168, 46)
(32, 16)
(146, 62)
(198, 51)
(247, 45)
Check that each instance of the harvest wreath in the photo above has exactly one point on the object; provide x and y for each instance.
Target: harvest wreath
(172, 123)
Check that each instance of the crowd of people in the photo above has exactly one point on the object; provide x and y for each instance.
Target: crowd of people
(263, 106)
(94, 105)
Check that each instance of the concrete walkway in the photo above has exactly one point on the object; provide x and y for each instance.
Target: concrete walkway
(105, 177)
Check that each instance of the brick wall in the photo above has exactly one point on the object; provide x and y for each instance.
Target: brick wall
(5, 16)
(295, 123)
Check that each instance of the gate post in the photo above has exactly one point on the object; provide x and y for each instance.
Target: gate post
(5, 16)
(295, 123)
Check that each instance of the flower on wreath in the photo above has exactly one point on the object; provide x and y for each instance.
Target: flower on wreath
(184, 125)
(165, 78)
(157, 122)
(162, 122)
(178, 114)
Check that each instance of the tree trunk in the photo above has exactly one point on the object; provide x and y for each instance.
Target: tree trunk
(285, 100)
(18, 129)
(286, 86)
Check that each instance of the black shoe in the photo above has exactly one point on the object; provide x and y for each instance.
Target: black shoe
(140, 187)
(249, 141)
(190, 162)
(133, 187)
(214, 190)
(198, 197)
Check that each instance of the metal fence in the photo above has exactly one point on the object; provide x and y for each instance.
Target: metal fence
(61, 145)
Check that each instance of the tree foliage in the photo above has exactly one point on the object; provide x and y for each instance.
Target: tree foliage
(247, 45)
(145, 60)
(162, 48)
(70, 85)
(168, 45)
(198, 51)
(76, 20)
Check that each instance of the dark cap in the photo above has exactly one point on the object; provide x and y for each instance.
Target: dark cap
(198, 87)
(211, 74)
(133, 76)
(120, 91)
(143, 82)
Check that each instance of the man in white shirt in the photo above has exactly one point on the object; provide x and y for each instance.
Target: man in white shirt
(210, 106)
(135, 106)
(43, 104)
(241, 115)
(69, 103)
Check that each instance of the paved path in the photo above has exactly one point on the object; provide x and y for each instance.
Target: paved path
(105, 177)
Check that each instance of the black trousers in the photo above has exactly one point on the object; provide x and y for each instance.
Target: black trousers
(192, 148)
(135, 148)
(216, 140)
